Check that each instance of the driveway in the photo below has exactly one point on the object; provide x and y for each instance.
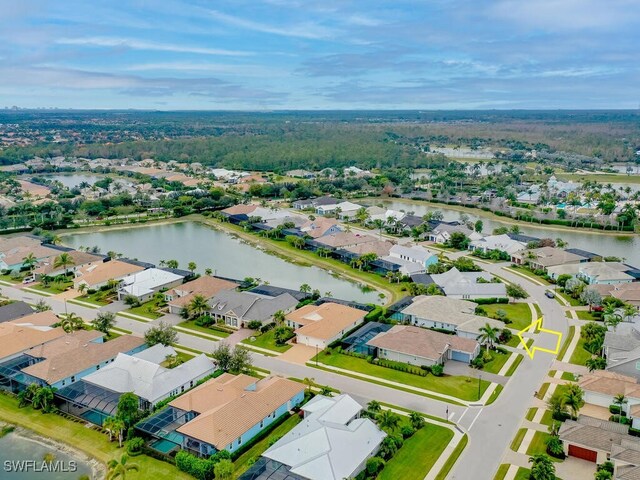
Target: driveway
(575, 468)
(299, 354)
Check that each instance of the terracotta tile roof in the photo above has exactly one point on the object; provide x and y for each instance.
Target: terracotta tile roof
(240, 209)
(214, 393)
(74, 357)
(344, 239)
(326, 320)
(16, 338)
(46, 265)
(222, 424)
(101, 272)
(380, 248)
(206, 286)
(610, 383)
(421, 342)
(38, 319)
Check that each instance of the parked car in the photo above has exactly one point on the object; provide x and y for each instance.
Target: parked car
(29, 279)
(549, 294)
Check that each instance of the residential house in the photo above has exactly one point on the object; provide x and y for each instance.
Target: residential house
(343, 210)
(14, 311)
(331, 443)
(627, 292)
(531, 195)
(98, 274)
(321, 325)
(408, 222)
(590, 256)
(608, 273)
(342, 240)
(382, 248)
(314, 202)
(354, 171)
(224, 413)
(65, 359)
(27, 332)
(592, 439)
(384, 214)
(502, 243)
(420, 346)
(412, 259)
(145, 284)
(441, 231)
(238, 309)
(320, 226)
(301, 174)
(48, 266)
(621, 348)
(96, 396)
(445, 313)
(207, 286)
(13, 250)
(469, 285)
(601, 387)
(545, 257)
(560, 188)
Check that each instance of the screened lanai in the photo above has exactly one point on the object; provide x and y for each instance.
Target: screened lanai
(88, 401)
(11, 376)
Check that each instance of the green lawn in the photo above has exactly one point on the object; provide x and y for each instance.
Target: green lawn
(90, 441)
(567, 342)
(547, 418)
(568, 376)
(580, 355)
(517, 440)
(494, 396)
(498, 360)
(600, 178)
(266, 340)
(453, 458)
(586, 315)
(418, 454)
(574, 302)
(502, 471)
(244, 461)
(522, 474)
(191, 325)
(518, 313)
(464, 388)
(99, 299)
(514, 365)
(7, 278)
(54, 287)
(531, 413)
(538, 445)
(528, 273)
(148, 309)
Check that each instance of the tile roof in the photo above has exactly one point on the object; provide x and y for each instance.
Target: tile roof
(215, 392)
(344, 239)
(146, 281)
(594, 433)
(223, 422)
(610, 383)
(101, 272)
(240, 209)
(76, 357)
(381, 248)
(248, 306)
(18, 337)
(206, 285)
(47, 265)
(421, 342)
(324, 321)
(441, 309)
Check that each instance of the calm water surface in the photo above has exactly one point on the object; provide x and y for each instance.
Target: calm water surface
(74, 179)
(226, 255)
(15, 448)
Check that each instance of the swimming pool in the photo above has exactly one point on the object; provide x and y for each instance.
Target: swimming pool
(163, 446)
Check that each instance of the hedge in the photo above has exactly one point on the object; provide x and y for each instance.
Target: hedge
(489, 301)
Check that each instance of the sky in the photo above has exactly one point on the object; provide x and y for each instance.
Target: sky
(327, 54)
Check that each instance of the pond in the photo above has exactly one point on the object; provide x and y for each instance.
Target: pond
(225, 254)
(74, 179)
(17, 449)
(623, 246)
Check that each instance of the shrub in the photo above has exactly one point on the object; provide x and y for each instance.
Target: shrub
(620, 419)
(407, 431)
(374, 466)
(634, 431)
(437, 370)
(134, 446)
(554, 447)
(615, 409)
(254, 324)
(91, 291)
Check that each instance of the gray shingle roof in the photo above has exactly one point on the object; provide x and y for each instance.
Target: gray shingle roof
(14, 310)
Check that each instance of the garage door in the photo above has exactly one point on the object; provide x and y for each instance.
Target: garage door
(460, 356)
(584, 453)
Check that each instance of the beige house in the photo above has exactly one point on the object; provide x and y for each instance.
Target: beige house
(96, 275)
(321, 325)
(179, 297)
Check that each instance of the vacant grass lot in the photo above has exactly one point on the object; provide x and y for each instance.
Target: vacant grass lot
(267, 340)
(93, 443)
(418, 454)
(464, 388)
(518, 313)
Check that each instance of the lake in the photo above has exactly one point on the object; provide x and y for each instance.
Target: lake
(16, 448)
(74, 179)
(227, 255)
(623, 246)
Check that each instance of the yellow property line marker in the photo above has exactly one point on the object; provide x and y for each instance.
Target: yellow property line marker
(537, 326)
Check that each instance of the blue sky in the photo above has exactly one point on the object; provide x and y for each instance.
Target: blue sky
(328, 54)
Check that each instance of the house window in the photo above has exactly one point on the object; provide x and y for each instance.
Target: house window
(73, 378)
(239, 440)
(261, 423)
(637, 365)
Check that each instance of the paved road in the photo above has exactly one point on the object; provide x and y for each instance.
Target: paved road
(490, 429)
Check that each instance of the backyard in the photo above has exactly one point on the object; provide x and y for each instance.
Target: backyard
(518, 313)
(464, 388)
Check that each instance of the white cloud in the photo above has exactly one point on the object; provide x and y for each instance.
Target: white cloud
(135, 44)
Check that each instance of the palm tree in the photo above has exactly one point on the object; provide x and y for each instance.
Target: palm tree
(43, 399)
(208, 271)
(611, 316)
(119, 469)
(71, 322)
(488, 335)
(388, 420)
(573, 398)
(620, 400)
(172, 361)
(82, 287)
(309, 382)
(64, 260)
(109, 424)
(192, 267)
(27, 394)
(417, 420)
(29, 262)
(279, 317)
(305, 288)
(542, 468)
(373, 409)
(198, 306)
(629, 311)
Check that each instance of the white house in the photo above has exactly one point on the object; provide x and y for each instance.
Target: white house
(497, 242)
(469, 285)
(412, 260)
(143, 285)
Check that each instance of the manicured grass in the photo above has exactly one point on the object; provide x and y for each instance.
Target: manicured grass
(543, 391)
(531, 413)
(502, 471)
(191, 325)
(517, 440)
(90, 441)
(498, 360)
(97, 298)
(567, 342)
(552, 373)
(148, 309)
(418, 454)
(54, 287)
(8, 279)
(523, 474)
(518, 313)
(182, 356)
(528, 273)
(538, 445)
(586, 315)
(243, 463)
(568, 376)
(547, 418)
(494, 396)
(267, 340)
(580, 355)
(453, 458)
(514, 365)
(406, 410)
(600, 178)
(574, 302)
(464, 388)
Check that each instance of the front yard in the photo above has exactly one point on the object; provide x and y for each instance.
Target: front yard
(54, 287)
(580, 355)
(498, 359)
(518, 313)
(464, 388)
(150, 309)
(191, 325)
(99, 298)
(266, 340)
(538, 445)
